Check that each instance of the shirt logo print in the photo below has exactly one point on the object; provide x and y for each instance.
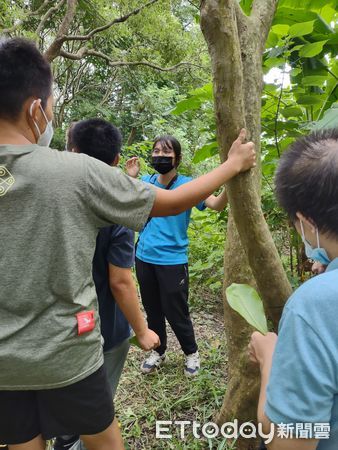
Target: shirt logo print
(6, 180)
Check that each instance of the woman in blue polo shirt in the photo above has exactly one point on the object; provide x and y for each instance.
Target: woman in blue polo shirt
(162, 261)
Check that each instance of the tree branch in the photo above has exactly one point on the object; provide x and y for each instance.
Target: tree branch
(242, 20)
(28, 15)
(48, 14)
(84, 51)
(54, 49)
(219, 27)
(193, 5)
(263, 12)
(121, 19)
(108, 93)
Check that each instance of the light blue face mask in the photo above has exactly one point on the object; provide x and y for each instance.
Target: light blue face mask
(46, 137)
(317, 254)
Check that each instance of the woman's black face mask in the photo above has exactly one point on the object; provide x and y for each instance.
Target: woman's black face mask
(162, 164)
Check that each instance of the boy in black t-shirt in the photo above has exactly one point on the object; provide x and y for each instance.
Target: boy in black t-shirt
(113, 259)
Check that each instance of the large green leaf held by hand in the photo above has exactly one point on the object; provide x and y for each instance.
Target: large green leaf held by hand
(244, 299)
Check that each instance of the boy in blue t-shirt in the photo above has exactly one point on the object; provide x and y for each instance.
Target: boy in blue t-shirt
(299, 369)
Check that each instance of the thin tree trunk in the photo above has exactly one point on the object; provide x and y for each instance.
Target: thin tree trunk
(237, 75)
(241, 399)
(236, 44)
(131, 136)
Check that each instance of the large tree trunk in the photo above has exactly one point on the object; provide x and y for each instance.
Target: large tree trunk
(241, 399)
(236, 44)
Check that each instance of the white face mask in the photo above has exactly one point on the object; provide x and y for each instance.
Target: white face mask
(46, 137)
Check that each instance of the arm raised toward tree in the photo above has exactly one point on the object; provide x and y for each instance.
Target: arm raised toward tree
(217, 203)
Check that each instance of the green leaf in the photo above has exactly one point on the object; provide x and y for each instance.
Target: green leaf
(195, 99)
(328, 13)
(292, 111)
(245, 300)
(246, 6)
(330, 119)
(285, 143)
(316, 80)
(301, 29)
(306, 4)
(133, 341)
(272, 40)
(270, 87)
(277, 51)
(205, 152)
(203, 93)
(296, 48)
(333, 40)
(188, 104)
(274, 62)
(280, 29)
(296, 71)
(291, 16)
(287, 14)
(309, 100)
(311, 50)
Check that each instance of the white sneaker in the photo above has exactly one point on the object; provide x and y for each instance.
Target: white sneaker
(153, 361)
(192, 364)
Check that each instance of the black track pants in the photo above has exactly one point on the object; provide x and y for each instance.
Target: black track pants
(164, 292)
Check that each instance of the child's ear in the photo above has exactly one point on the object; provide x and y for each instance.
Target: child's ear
(307, 221)
(116, 161)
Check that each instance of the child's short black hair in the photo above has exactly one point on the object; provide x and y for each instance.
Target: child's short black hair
(307, 179)
(24, 73)
(97, 138)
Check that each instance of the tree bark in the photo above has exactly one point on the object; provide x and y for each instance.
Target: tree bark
(54, 49)
(131, 136)
(241, 398)
(236, 54)
(236, 44)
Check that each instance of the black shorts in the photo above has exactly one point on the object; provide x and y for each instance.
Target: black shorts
(85, 407)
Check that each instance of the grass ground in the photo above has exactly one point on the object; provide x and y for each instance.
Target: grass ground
(169, 395)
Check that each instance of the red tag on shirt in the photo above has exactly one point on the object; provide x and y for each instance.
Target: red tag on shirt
(85, 321)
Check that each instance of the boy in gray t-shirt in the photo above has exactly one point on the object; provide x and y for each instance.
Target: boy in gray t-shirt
(52, 204)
